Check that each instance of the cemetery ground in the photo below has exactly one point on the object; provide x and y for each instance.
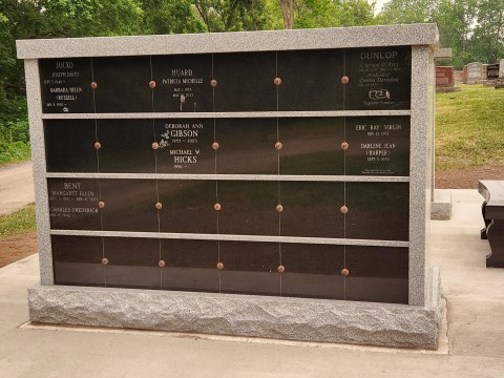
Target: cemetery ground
(469, 147)
(469, 137)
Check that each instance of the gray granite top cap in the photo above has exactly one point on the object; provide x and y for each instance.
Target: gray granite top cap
(271, 40)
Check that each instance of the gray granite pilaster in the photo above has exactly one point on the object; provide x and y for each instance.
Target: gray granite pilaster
(419, 161)
(39, 168)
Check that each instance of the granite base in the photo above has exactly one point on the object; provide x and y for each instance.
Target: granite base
(361, 323)
(441, 206)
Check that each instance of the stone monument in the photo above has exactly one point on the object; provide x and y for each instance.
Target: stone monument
(458, 76)
(474, 73)
(271, 184)
(499, 83)
(445, 79)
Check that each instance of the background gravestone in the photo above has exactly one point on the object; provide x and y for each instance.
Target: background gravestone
(175, 193)
(499, 83)
(445, 79)
(474, 73)
(493, 71)
(458, 76)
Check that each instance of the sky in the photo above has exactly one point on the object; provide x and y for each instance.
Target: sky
(379, 4)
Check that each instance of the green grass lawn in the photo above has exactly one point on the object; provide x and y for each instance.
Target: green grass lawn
(20, 222)
(14, 152)
(470, 127)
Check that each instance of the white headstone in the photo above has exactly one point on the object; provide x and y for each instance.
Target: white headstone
(474, 73)
(501, 69)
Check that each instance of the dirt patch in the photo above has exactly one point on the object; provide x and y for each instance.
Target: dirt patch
(467, 178)
(14, 248)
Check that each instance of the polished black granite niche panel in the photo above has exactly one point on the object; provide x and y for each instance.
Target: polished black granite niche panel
(65, 85)
(248, 208)
(69, 145)
(247, 146)
(77, 260)
(244, 82)
(182, 83)
(377, 210)
(379, 78)
(109, 205)
(191, 265)
(122, 84)
(126, 146)
(313, 271)
(377, 146)
(185, 146)
(375, 274)
(129, 205)
(187, 206)
(312, 209)
(311, 80)
(311, 146)
(132, 262)
(73, 204)
(364, 78)
(250, 268)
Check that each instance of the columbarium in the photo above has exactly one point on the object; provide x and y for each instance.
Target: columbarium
(270, 184)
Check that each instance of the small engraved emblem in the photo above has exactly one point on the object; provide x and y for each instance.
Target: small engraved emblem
(182, 101)
(379, 94)
(165, 139)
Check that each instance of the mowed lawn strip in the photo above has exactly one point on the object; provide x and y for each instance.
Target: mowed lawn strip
(470, 127)
(19, 222)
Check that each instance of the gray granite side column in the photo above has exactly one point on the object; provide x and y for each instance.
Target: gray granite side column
(34, 99)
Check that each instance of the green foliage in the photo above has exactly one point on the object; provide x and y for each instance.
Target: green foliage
(170, 16)
(13, 152)
(234, 15)
(408, 11)
(489, 32)
(327, 13)
(20, 222)
(356, 12)
(469, 127)
(455, 19)
(316, 14)
(83, 18)
(474, 29)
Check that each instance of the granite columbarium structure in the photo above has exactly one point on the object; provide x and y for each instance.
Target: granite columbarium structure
(271, 184)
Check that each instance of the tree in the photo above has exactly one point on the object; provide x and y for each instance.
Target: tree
(171, 16)
(17, 18)
(331, 13)
(456, 19)
(488, 34)
(86, 18)
(472, 28)
(316, 14)
(233, 15)
(408, 11)
(287, 7)
(355, 12)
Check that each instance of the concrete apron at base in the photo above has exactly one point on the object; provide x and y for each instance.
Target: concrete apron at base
(380, 324)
